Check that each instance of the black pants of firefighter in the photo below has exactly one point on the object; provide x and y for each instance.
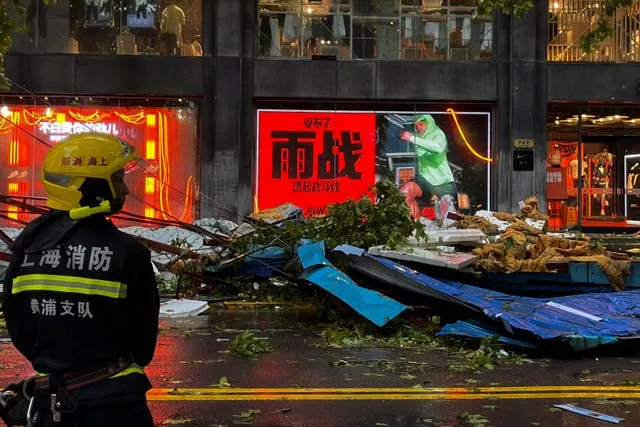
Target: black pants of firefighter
(131, 414)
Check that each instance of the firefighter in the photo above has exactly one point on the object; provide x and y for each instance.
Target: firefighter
(80, 296)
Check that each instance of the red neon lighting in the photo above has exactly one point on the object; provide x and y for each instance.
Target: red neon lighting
(156, 133)
(13, 212)
(150, 150)
(149, 185)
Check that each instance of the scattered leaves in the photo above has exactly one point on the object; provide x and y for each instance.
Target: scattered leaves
(177, 421)
(489, 354)
(615, 402)
(248, 345)
(281, 411)
(223, 383)
(249, 416)
(470, 420)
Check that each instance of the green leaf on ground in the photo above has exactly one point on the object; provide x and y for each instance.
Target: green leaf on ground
(471, 420)
(177, 421)
(223, 383)
(248, 416)
(616, 402)
(248, 345)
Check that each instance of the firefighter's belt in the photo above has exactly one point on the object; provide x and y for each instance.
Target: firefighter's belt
(79, 378)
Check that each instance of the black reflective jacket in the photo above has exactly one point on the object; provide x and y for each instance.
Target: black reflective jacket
(78, 293)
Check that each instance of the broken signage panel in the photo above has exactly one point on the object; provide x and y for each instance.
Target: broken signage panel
(385, 276)
(182, 308)
(376, 307)
(593, 414)
(453, 260)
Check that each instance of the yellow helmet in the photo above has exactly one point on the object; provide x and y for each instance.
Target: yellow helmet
(78, 157)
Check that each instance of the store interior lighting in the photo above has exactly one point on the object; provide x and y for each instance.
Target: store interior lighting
(4, 111)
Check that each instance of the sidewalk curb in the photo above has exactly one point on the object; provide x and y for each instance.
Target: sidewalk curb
(297, 306)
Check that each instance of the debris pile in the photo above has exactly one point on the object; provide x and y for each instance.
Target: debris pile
(370, 256)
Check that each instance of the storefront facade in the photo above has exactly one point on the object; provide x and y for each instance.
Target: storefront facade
(379, 69)
(592, 166)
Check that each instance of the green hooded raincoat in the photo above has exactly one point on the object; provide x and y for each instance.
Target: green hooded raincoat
(431, 150)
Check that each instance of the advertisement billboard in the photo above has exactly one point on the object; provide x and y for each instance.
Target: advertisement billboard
(314, 158)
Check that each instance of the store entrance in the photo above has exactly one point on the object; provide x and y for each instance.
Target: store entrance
(593, 167)
(611, 189)
(602, 185)
(610, 174)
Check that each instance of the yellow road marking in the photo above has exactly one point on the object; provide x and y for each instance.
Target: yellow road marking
(454, 393)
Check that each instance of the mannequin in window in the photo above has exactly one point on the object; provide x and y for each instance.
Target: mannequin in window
(171, 23)
(573, 166)
(142, 8)
(602, 167)
(92, 10)
(555, 158)
(632, 176)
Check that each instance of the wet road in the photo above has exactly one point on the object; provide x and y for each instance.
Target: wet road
(305, 384)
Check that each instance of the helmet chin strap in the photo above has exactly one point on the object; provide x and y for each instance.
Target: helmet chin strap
(86, 211)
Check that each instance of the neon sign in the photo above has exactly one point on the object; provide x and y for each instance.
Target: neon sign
(60, 130)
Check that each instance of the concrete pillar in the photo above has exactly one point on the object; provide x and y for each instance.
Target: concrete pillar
(227, 152)
(522, 104)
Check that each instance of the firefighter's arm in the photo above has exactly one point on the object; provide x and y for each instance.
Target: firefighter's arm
(144, 305)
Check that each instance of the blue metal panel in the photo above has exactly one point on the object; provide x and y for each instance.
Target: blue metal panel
(598, 318)
(473, 329)
(579, 272)
(376, 307)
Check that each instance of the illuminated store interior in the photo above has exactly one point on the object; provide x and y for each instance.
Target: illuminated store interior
(166, 187)
(593, 166)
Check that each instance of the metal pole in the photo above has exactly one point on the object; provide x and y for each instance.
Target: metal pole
(580, 178)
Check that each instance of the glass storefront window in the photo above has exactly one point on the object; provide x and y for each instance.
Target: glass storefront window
(107, 27)
(569, 21)
(593, 166)
(374, 29)
(164, 135)
(317, 157)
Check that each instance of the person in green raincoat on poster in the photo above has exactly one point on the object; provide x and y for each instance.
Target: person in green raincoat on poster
(434, 176)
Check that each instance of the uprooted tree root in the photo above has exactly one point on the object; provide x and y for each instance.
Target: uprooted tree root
(477, 223)
(524, 248)
(515, 251)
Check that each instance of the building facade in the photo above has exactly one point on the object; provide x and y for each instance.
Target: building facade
(243, 104)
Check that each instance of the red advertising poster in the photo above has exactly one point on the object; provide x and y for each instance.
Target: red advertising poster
(314, 159)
